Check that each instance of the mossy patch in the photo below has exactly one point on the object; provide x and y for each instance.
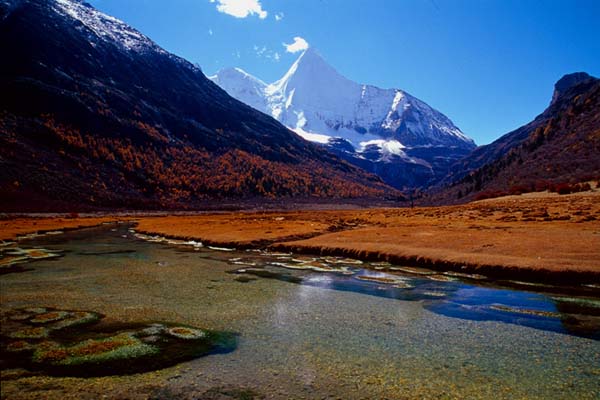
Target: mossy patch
(36, 310)
(29, 333)
(19, 345)
(75, 343)
(121, 346)
(48, 317)
(183, 332)
(77, 318)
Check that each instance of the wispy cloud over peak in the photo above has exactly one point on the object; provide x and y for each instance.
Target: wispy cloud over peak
(299, 44)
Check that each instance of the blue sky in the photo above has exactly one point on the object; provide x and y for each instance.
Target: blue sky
(488, 65)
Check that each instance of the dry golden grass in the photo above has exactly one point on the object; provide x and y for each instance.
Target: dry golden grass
(546, 233)
(238, 229)
(11, 228)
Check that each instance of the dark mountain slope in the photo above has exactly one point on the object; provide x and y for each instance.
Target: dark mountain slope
(561, 146)
(93, 113)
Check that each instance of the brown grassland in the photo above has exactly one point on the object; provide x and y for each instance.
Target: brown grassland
(12, 227)
(537, 236)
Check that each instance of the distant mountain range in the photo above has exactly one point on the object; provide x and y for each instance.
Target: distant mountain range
(95, 114)
(386, 131)
(559, 147)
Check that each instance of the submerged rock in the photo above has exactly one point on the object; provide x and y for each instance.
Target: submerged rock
(244, 279)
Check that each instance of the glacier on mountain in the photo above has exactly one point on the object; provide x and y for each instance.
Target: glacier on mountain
(320, 104)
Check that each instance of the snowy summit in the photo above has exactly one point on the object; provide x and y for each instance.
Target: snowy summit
(318, 103)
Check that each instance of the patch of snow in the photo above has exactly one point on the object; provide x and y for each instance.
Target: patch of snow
(312, 137)
(387, 148)
(318, 103)
(242, 86)
(105, 27)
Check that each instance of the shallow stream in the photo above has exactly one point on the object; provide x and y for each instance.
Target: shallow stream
(319, 327)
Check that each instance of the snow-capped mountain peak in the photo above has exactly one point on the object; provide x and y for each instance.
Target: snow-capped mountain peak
(312, 97)
(370, 123)
(310, 69)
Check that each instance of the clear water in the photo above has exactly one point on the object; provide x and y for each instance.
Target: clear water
(353, 331)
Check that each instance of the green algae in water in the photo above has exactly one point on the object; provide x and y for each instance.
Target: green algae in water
(182, 332)
(68, 343)
(122, 346)
(29, 333)
(77, 318)
(49, 317)
(52, 319)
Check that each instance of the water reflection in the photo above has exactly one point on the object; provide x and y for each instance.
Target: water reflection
(453, 298)
(456, 295)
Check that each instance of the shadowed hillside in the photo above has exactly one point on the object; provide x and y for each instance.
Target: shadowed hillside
(557, 151)
(94, 114)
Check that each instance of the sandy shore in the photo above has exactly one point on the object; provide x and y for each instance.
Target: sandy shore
(541, 237)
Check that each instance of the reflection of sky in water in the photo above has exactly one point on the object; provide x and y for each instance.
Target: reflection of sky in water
(322, 281)
(508, 306)
(292, 318)
(454, 299)
(321, 328)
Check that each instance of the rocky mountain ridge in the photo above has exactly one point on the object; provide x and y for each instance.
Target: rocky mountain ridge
(386, 131)
(559, 147)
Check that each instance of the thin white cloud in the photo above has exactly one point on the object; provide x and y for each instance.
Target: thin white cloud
(265, 52)
(279, 16)
(260, 51)
(299, 44)
(240, 8)
(210, 32)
